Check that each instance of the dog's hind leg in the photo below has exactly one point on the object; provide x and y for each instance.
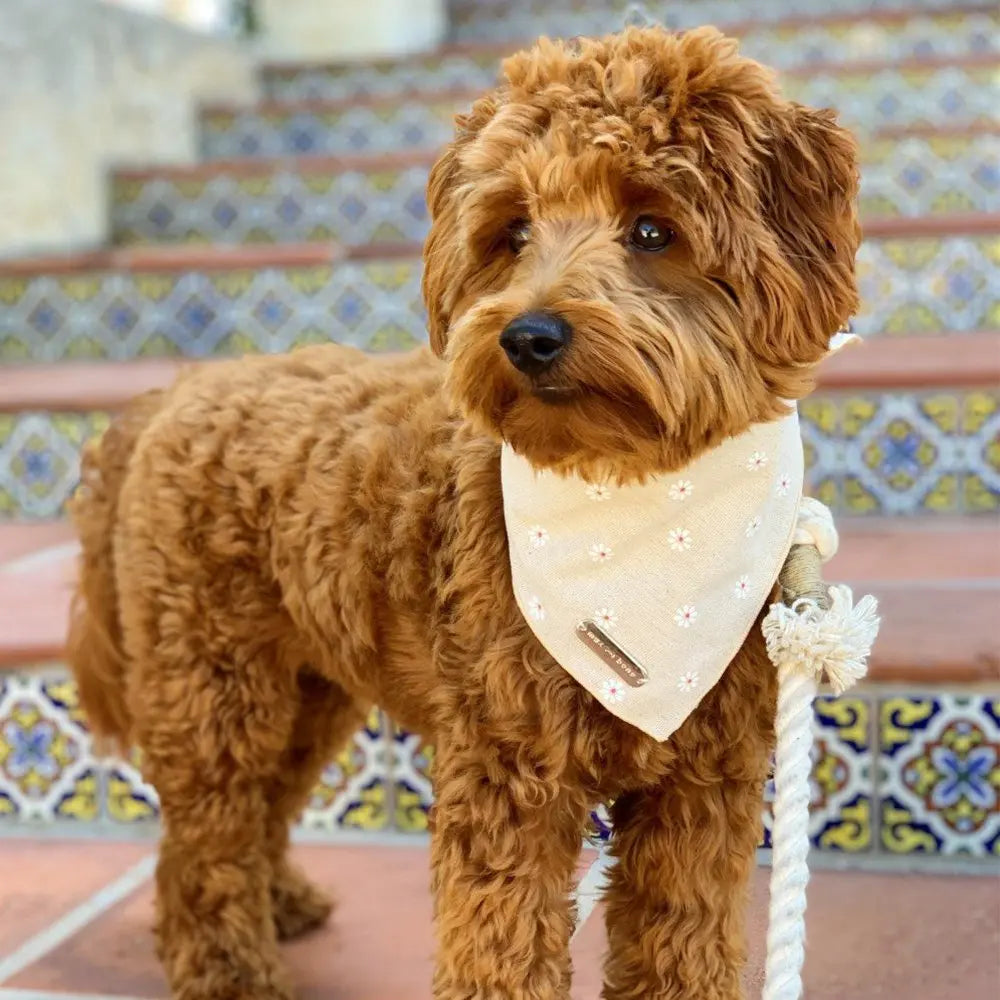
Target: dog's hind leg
(327, 718)
(214, 732)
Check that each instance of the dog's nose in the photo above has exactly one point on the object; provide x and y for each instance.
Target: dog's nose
(534, 340)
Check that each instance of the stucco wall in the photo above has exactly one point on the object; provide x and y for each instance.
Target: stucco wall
(85, 85)
(334, 29)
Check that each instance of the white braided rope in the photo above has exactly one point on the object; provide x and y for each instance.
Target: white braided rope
(790, 835)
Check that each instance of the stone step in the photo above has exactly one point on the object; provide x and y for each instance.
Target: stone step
(959, 576)
(491, 20)
(934, 275)
(869, 96)
(900, 35)
(379, 199)
(887, 432)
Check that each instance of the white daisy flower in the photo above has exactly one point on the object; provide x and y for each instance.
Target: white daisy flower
(756, 461)
(742, 588)
(536, 610)
(613, 691)
(681, 490)
(598, 492)
(679, 539)
(783, 484)
(689, 681)
(606, 618)
(753, 526)
(537, 536)
(600, 552)
(685, 617)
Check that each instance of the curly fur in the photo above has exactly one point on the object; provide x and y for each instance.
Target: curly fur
(275, 544)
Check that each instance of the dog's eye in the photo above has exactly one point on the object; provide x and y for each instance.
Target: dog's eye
(518, 234)
(651, 234)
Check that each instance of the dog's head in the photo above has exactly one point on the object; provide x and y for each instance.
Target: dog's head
(638, 248)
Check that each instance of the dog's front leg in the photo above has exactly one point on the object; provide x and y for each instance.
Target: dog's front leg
(677, 895)
(504, 849)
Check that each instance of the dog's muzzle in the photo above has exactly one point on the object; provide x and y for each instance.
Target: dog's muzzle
(534, 340)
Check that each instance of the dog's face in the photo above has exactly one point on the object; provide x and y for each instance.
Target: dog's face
(637, 249)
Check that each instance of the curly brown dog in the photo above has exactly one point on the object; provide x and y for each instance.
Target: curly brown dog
(274, 545)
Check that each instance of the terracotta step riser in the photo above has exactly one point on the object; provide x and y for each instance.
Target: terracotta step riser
(867, 101)
(482, 22)
(929, 285)
(908, 178)
(948, 35)
(868, 452)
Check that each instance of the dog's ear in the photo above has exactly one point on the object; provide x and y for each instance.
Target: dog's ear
(445, 258)
(809, 192)
(441, 246)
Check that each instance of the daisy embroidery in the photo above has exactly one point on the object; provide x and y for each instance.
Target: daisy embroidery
(537, 536)
(756, 461)
(783, 485)
(681, 490)
(598, 492)
(536, 610)
(685, 617)
(600, 552)
(613, 691)
(679, 539)
(606, 618)
(689, 681)
(742, 588)
(753, 526)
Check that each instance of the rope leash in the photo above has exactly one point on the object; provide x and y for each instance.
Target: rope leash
(813, 632)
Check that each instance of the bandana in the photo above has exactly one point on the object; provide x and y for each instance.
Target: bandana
(645, 593)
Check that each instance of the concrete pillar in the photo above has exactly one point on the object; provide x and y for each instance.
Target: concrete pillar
(345, 29)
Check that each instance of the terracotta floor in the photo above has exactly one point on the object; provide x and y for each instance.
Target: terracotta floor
(75, 917)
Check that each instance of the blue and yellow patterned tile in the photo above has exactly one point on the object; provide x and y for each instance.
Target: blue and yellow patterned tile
(842, 789)
(412, 761)
(906, 453)
(939, 774)
(40, 460)
(352, 793)
(47, 772)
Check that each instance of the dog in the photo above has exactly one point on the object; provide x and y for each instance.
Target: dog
(638, 250)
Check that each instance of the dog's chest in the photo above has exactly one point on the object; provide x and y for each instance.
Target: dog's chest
(645, 593)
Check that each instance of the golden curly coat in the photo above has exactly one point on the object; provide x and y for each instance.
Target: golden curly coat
(273, 545)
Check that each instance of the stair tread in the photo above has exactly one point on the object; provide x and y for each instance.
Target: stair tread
(866, 67)
(936, 628)
(878, 364)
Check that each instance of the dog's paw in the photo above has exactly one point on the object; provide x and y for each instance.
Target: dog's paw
(297, 905)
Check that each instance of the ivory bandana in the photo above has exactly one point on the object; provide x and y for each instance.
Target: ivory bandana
(644, 594)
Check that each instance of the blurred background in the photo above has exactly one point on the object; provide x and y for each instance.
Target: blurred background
(185, 179)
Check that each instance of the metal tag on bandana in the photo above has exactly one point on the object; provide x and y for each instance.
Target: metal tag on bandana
(612, 654)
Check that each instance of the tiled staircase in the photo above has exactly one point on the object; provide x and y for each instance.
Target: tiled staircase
(303, 223)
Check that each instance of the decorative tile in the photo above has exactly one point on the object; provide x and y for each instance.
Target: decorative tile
(411, 776)
(491, 20)
(904, 453)
(936, 35)
(910, 177)
(375, 305)
(40, 460)
(840, 808)
(47, 772)
(352, 793)
(928, 285)
(865, 101)
(928, 175)
(350, 207)
(939, 774)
